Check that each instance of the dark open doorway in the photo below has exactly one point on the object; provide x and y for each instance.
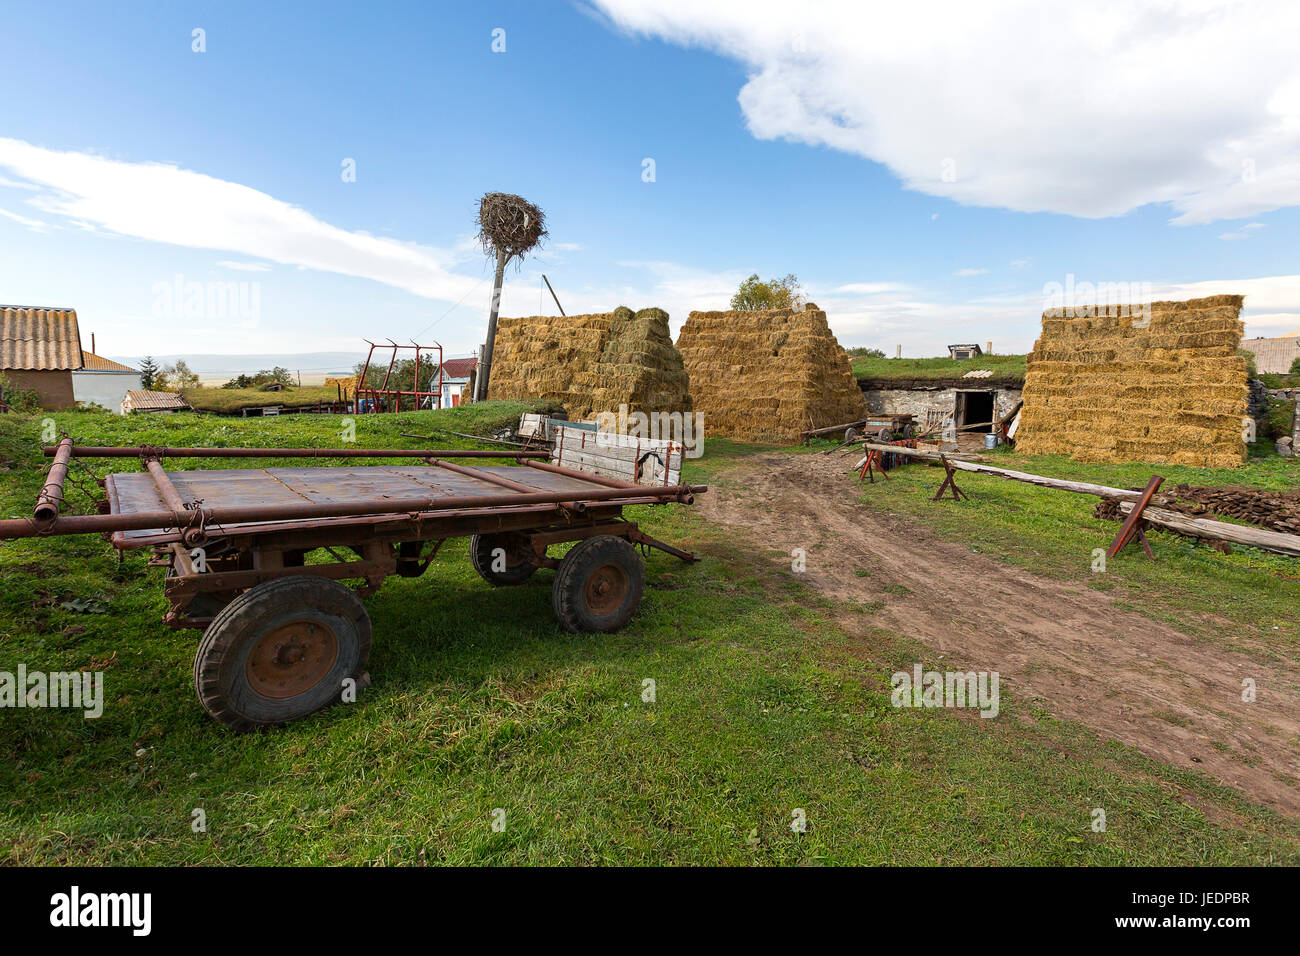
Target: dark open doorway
(975, 408)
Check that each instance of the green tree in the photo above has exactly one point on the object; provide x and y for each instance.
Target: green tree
(1295, 368)
(863, 351)
(148, 373)
(177, 377)
(755, 294)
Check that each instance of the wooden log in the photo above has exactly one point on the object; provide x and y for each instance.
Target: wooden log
(1274, 541)
(1081, 487)
(813, 432)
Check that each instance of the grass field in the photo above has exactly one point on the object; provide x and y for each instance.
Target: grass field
(1005, 368)
(767, 702)
(233, 399)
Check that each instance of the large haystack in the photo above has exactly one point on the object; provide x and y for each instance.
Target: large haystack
(592, 363)
(768, 375)
(1165, 386)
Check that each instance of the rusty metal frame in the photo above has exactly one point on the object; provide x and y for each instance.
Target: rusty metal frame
(270, 541)
(393, 395)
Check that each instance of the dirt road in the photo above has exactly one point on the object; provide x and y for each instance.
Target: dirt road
(1171, 695)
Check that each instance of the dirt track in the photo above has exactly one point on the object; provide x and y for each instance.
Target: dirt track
(1168, 694)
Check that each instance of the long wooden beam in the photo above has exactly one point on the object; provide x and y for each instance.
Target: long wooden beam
(1082, 487)
(1274, 541)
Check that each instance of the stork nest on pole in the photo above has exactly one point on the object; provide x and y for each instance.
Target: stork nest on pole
(509, 225)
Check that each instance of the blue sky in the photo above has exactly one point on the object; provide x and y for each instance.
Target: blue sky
(924, 187)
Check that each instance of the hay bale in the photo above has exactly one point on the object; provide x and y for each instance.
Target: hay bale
(1169, 391)
(768, 375)
(592, 363)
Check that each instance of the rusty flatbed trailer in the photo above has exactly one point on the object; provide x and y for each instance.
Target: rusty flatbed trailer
(283, 637)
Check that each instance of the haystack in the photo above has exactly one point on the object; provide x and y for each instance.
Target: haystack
(1164, 386)
(592, 363)
(768, 375)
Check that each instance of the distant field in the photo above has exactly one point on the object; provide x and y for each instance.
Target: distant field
(1005, 368)
(233, 399)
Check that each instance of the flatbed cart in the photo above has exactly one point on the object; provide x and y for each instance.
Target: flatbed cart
(283, 638)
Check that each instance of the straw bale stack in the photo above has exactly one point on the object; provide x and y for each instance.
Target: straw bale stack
(768, 375)
(592, 363)
(1166, 387)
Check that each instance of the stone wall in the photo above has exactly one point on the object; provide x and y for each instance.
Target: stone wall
(918, 401)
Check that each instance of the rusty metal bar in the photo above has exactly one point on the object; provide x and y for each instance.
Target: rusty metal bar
(398, 507)
(481, 475)
(570, 473)
(150, 451)
(51, 496)
(192, 536)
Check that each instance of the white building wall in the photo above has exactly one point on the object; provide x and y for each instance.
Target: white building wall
(104, 388)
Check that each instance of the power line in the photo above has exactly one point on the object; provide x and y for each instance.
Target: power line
(451, 310)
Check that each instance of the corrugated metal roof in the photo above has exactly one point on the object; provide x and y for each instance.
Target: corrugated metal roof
(97, 363)
(39, 339)
(145, 399)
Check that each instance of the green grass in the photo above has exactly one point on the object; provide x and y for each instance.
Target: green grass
(234, 399)
(1007, 369)
(768, 699)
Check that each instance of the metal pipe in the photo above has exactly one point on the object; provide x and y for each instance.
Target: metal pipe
(193, 537)
(481, 475)
(380, 508)
(148, 451)
(570, 473)
(51, 496)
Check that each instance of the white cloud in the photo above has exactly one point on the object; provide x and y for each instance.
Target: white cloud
(33, 224)
(1244, 233)
(164, 203)
(1019, 263)
(1085, 109)
(244, 266)
(971, 272)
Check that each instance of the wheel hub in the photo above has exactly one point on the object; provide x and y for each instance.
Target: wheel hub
(605, 589)
(292, 658)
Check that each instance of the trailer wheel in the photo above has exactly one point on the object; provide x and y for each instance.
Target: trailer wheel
(885, 435)
(280, 651)
(850, 434)
(599, 585)
(519, 566)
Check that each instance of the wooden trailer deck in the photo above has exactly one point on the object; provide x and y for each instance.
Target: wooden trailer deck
(133, 493)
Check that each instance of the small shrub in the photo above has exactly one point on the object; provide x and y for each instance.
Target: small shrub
(25, 400)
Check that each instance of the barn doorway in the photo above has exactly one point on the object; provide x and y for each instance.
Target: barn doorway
(975, 408)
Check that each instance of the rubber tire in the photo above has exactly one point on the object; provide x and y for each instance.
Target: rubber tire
(885, 436)
(568, 590)
(850, 434)
(219, 664)
(480, 555)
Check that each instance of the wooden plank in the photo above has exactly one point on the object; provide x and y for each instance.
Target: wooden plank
(1081, 487)
(1274, 541)
(623, 468)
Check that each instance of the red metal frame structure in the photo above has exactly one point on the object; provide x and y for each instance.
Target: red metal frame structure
(235, 543)
(385, 399)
